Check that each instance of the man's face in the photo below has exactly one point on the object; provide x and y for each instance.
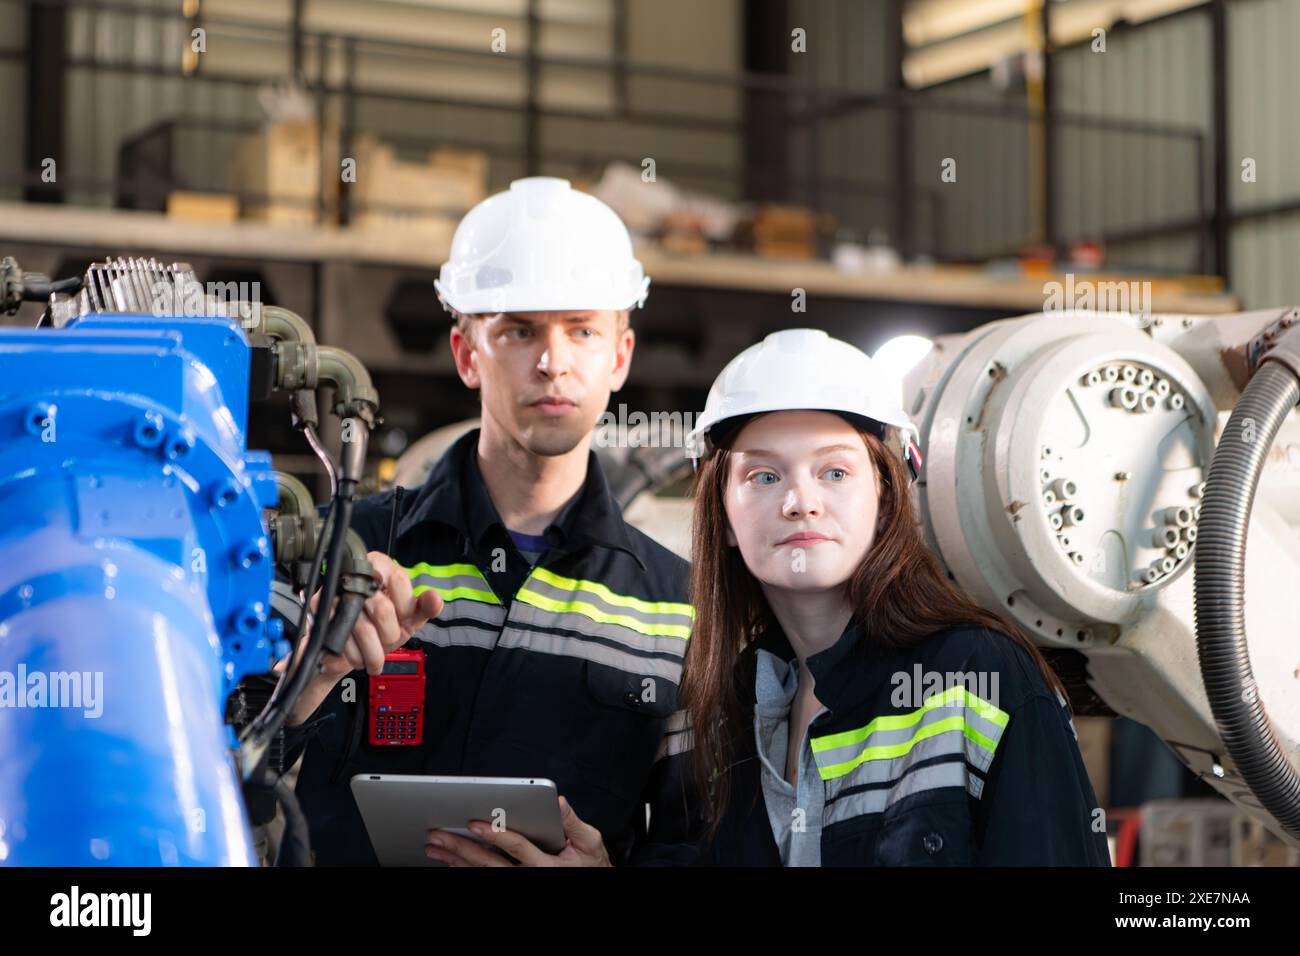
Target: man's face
(801, 499)
(545, 377)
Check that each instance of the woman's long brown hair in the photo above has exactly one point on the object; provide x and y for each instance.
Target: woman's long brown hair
(899, 594)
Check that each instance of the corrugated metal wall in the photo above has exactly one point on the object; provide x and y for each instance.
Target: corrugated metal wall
(1264, 125)
(105, 108)
(13, 37)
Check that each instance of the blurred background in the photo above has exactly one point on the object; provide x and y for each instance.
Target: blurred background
(909, 166)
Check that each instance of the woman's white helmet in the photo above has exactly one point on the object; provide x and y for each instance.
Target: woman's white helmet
(805, 369)
(541, 246)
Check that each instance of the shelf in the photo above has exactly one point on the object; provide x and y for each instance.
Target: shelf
(119, 231)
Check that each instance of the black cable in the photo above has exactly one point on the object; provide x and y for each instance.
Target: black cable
(295, 841)
(255, 740)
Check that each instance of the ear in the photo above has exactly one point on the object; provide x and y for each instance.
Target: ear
(731, 537)
(466, 357)
(622, 359)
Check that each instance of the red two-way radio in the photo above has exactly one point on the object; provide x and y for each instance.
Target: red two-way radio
(396, 699)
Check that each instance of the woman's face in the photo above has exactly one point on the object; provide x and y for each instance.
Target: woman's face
(801, 499)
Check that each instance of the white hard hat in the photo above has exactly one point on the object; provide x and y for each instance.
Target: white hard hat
(541, 246)
(805, 369)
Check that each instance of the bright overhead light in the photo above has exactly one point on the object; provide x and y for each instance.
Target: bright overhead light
(899, 356)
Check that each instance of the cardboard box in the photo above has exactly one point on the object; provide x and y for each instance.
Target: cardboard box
(451, 182)
(204, 207)
(277, 173)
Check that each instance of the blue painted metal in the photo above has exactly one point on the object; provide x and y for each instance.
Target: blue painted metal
(135, 576)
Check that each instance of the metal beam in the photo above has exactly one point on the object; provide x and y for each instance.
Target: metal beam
(45, 69)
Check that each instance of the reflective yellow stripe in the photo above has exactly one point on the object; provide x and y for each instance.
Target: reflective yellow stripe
(622, 600)
(890, 751)
(483, 595)
(899, 721)
(603, 617)
(452, 594)
(954, 695)
(444, 570)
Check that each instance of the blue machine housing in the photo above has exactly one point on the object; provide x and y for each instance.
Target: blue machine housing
(135, 576)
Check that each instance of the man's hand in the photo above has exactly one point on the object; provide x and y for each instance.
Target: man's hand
(583, 845)
(391, 616)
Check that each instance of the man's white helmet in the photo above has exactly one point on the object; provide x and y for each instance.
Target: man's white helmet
(541, 246)
(805, 369)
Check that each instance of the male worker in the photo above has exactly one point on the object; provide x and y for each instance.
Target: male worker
(556, 649)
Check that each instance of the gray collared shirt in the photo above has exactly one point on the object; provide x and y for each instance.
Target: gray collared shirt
(795, 812)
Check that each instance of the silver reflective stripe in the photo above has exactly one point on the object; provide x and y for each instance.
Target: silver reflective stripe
(538, 583)
(463, 609)
(901, 735)
(529, 615)
(570, 646)
(1065, 706)
(952, 774)
(678, 721)
(440, 632)
(678, 736)
(448, 582)
(673, 744)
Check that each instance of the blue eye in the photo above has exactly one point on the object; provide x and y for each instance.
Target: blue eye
(765, 474)
(839, 471)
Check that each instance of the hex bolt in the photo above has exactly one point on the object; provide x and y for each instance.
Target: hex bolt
(36, 415)
(1064, 489)
(148, 432)
(1164, 538)
(224, 492)
(248, 619)
(180, 444)
(250, 553)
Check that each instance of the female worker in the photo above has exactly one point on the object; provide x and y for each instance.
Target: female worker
(851, 706)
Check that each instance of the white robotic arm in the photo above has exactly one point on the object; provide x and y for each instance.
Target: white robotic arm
(1065, 482)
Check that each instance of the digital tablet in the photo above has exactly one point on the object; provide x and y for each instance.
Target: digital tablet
(399, 810)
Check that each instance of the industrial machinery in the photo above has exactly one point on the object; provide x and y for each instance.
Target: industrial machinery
(1097, 477)
(1081, 479)
(138, 538)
